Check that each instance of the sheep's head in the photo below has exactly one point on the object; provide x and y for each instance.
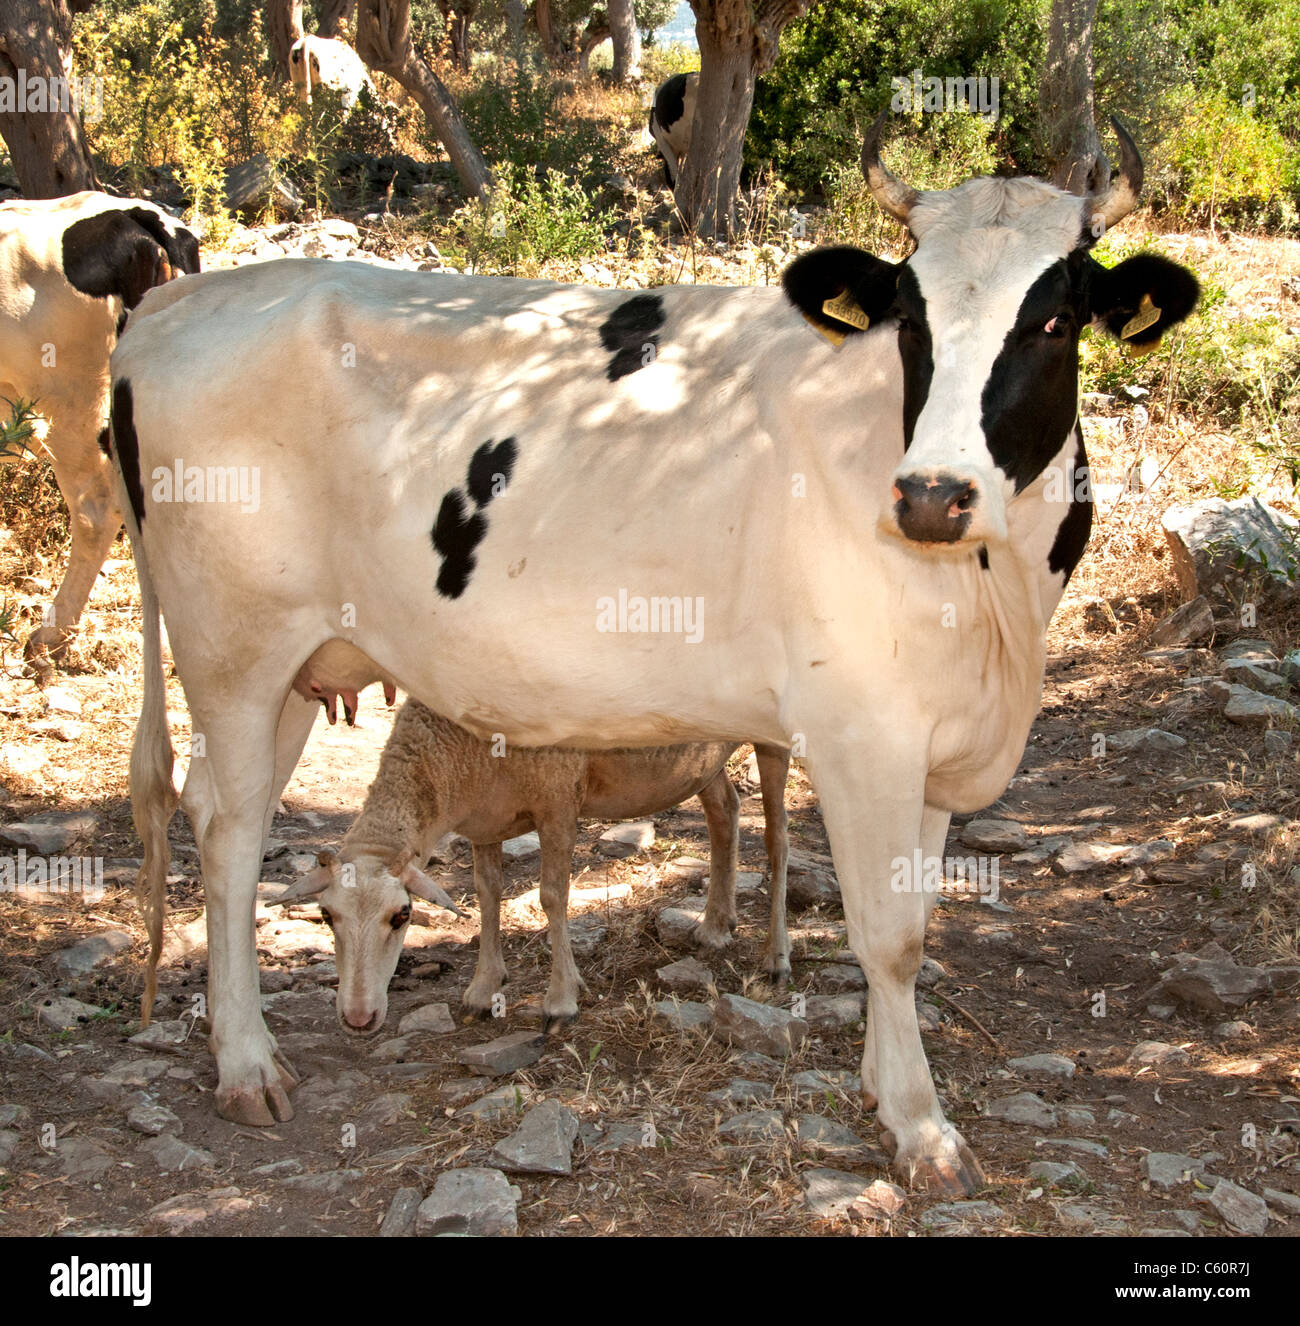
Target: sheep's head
(367, 903)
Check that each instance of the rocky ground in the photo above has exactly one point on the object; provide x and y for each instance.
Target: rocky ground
(1116, 1034)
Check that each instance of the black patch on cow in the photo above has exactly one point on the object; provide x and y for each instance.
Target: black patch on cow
(629, 331)
(122, 252)
(915, 349)
(1116, 294)
(106, 441)
(813, 278)
(670, 101)
(1072, 536)
(489, 470)
(458, 530)
(127, 446)
(1031, 399)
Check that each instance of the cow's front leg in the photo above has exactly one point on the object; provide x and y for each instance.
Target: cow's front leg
(873, 805)
(253, 1077)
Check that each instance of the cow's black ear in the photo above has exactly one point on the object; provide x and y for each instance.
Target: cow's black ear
(830, 274)
(111, 253)
(1143, 296)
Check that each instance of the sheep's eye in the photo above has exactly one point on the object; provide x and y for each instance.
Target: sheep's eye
(399, 919)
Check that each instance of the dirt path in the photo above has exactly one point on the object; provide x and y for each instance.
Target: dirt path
(1016, 979)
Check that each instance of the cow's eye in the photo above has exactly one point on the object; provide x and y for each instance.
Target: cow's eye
(399, 919)
(1057, 326)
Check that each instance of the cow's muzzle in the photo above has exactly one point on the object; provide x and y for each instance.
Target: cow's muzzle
(934, 507)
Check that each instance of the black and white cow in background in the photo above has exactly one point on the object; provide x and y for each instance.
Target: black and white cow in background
(671, 117)
(317, 61)
(863, 484)
(69, 269)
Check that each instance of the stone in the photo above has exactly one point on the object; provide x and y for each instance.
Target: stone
(9, 1140)
(842, 977)
(1043, 1067)
(750, 1061)
(92, 951)
(826, 1082)
(505, 1101)
(1023, 1108)
(833, 1012)
(326, 1183)
(741, 1091)
(506, 1054)
(755, 1026)
(1245, 673)
(1251, 709)
(543, 1142)
(676, 925)
(1278, 744)
(810, 879)
(1168, 1169)
(475, 1201)
(1192, 621)
(14, 1116)
(253, 183)
(1057, 1174)
(1147, 854)
(686, 869)
(152, 1119)
(1082, 1217)
(819, 1134)
(1240, 543)
(931, 973)
(615, 1136)
(1042, 850)
(684, 1014)
(390, 1051)
(753, 1126)
(49, 834)
(521, 848)
(1209, 982)
(400, 1219)
(586, 935)
(1145, 741)
(1286, 1202)
(961, 1213)
(434, 1019)
(834, 1194)
(82, 1159)
(1075, 1116)
(989, 835)
(1079, 857)
(61, 1013)
(684, 976)
(1156, 1054)
(177, 1214)
(1081, 1145)
(1256, 826)
(1233, 1031)
(171, 1154)
(386, 1109)
(1239, 1209)
(625, 840)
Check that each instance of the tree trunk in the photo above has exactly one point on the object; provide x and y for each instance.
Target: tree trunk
(1073, 147)
(283, 28)
(384, 43)
(626, 37)
(48, 149)
(592, 35)
(333, 14)
(559, 54)
(738, 42)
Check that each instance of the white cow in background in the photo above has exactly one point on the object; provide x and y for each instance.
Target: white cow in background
(314, 61)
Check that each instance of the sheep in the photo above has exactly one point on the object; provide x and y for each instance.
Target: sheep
(434, 778)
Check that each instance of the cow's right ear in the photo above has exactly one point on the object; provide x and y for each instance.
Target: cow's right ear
(841, 290)
(111, 253)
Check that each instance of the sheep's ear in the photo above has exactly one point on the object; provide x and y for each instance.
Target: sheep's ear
(313, 883)
(416, 882)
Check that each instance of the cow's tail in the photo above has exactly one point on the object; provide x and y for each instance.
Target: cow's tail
(153, 796)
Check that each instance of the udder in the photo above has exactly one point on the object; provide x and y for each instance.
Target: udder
(340, 671)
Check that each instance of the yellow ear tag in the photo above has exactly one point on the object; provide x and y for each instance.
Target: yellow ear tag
(844, 308)
(1138, 351)
(835, 338)
(1148, 312)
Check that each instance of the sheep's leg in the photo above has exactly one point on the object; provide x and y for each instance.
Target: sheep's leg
(773, 767)
(721, 804)
(490, 971)
(559, 835)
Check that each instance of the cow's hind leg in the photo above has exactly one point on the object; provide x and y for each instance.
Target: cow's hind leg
(876, 827)
(490, 971)
(773, 768)
(227, 795)
(721, 804)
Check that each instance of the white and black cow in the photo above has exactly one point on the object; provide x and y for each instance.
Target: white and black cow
(671, 118)
(325, 61)
(69, 269)
(860, 484)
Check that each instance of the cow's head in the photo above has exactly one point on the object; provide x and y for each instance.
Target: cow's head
(988, 311)
(367, 902)
(124, 251)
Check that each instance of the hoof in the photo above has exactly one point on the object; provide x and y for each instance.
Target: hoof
(955, 1175)
(260, 1107)
(869, 1102)
(558, 1024)
(707, 935)
(479, 1014)
(777, 970)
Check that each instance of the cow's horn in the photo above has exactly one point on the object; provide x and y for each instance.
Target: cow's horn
(893, 195)
(1125, 185)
